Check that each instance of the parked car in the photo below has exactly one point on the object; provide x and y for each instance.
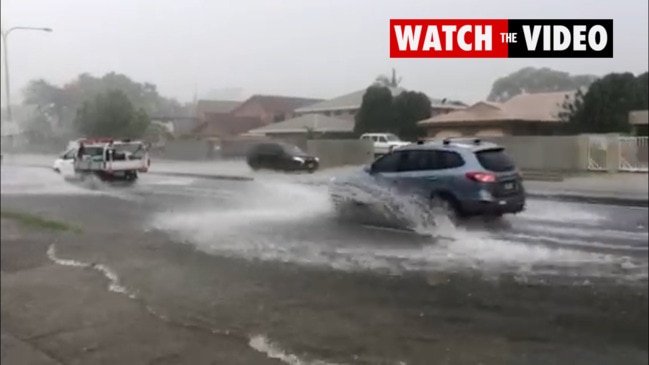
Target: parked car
(281, 157)
(467, 177)
(384, 142)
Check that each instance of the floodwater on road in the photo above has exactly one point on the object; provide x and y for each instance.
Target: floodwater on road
(551, 285)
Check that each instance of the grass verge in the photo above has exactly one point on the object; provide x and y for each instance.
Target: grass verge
(39, 222)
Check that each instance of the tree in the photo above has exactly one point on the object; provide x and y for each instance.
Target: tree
(410, 107)
(60, 103)
(605, 107)
(157, 134)
(393, 81)
(51, 101)
(376, 112)
(536, 80)
(111, 114)
(380, 112)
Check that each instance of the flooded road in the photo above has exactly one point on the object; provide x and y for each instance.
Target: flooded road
(268, 261)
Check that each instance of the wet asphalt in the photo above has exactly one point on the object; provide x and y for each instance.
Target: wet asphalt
(559, 283)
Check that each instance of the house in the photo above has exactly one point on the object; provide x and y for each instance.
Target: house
(224, 119)
(270, 108)
(177, 126)
(346, 106)
(219, 126)
(524, 114)
(298, 129)
(639, 120)
(205, 107)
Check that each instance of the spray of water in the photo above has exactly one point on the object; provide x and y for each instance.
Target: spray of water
(289, 222)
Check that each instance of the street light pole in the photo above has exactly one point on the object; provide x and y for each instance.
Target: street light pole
(5, 36)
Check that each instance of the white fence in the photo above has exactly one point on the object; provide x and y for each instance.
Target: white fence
(597, 153)
(631, 153)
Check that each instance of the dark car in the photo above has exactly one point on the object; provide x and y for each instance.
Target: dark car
(281, 157)
(468, 176)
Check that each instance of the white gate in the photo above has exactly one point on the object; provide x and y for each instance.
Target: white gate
(633, 154)
(597, 153)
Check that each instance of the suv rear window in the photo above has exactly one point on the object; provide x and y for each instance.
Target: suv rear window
(496, 160)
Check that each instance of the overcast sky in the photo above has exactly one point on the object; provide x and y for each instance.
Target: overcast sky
(315, 48)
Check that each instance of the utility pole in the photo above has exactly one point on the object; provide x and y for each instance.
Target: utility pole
(5, 37)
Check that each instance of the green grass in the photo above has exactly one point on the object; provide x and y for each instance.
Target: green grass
(38, 222)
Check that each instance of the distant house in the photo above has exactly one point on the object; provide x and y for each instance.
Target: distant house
(297, 130)
(346, 106)
(177, 126)
(271, 108)
(524, 114)
(639, 120)
(224, 119)
(205, 107)
(219, 126)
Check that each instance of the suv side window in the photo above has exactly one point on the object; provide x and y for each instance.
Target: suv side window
(449, 160)
(417, 160)
(388, 163)
(424, 160)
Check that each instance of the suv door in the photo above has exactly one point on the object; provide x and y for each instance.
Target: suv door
(386, 169)
(429, 170)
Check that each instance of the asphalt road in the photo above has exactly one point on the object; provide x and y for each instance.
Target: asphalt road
(561, 282)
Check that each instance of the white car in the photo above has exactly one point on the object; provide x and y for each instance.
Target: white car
(384, 142)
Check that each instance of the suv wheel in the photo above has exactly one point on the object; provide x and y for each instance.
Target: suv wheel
(448, 206)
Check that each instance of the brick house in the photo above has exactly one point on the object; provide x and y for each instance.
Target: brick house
(225, 119)
(270, 108)
(524, 114)
(205, 107)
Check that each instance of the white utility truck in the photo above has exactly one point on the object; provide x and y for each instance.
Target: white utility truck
(106, 158)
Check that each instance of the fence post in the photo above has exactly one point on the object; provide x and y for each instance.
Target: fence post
(583, 156)
(613, 153)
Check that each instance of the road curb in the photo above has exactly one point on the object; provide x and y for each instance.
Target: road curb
(589, 199)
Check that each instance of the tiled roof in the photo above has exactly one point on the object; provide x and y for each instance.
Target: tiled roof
(540, 107)
(216, 106)
(354, 100)
(343, 102)
(224, 125)
(301, 124)
(279, 104)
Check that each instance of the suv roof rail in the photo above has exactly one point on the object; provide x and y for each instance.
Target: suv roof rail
(448, 140)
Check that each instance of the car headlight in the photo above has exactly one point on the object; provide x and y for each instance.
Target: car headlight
(298, 159)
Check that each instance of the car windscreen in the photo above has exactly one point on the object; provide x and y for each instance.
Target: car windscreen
(495, 160)
(392, 138)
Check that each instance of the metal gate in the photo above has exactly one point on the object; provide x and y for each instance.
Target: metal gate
(597, 153)
(633, 154)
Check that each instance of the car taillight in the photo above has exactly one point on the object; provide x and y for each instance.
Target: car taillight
(482, 177)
